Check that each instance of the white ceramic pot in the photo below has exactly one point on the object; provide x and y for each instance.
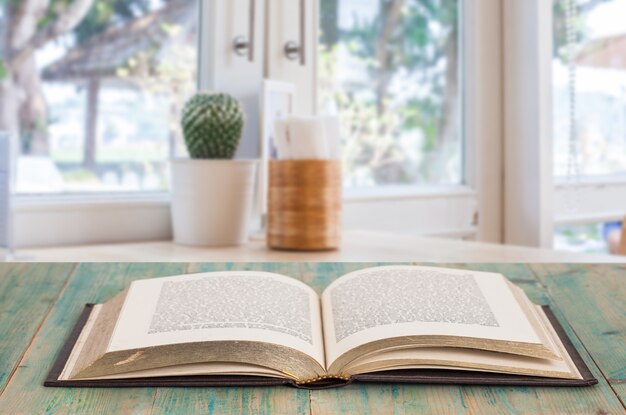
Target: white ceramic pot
(212, 201)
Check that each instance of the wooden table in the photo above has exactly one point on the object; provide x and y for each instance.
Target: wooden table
(39, 303)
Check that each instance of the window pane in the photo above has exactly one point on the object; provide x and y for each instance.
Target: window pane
(598, 238)
(98, 106)
(600, 87)
(390, 69)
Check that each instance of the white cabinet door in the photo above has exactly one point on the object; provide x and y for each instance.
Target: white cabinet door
(223, 69)
(294, 22)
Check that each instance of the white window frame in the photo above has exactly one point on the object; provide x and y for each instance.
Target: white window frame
(435, 210)
(505, 139)
(497, 42)
(590, 200)
(535, 202)
(56, 220)
(483, 113)
(528, 205)
(471, 210)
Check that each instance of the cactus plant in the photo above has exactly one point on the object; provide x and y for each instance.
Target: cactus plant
(212, 124)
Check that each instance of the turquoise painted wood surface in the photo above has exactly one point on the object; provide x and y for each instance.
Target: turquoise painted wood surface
(40, 302)
(37, 288)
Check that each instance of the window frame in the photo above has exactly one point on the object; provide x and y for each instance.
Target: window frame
(527, 89)
(536, 201)
(481, 105)
(491, 144)
(593, 197)
(471, 210)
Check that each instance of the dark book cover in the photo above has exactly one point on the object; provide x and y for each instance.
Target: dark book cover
(417, 376)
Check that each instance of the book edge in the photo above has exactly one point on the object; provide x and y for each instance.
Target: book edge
(450, 377)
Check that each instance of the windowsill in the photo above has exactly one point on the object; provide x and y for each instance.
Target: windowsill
(356, 246)
(77, 219)
(75, 200)
(590, 200)
(72, 201)
(406, 192)
(587, 181)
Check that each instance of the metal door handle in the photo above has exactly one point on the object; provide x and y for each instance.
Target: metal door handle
(243, 46)
(292, 49)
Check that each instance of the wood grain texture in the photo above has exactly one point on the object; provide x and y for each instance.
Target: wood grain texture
(375, 398)
(266, 400)
(27, 292)
(304, 205)
(593, 297)
(573, 299)
(599, 399)
(400, 399)
(25, 394)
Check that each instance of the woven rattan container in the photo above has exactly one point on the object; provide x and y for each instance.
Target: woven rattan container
(304, 205)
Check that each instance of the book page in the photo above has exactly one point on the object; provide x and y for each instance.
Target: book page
(458, 358)
(395, 301)
(231, 305)
(199, 369)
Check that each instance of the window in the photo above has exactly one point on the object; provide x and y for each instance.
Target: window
(95, 108)
(592, 90)
(112, 86)
(390, 69)
(589, 119)
(599, 87)
(589, 238)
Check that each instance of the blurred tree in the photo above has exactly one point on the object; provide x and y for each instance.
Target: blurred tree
(164, 72)
(413, 41)
(30, 25)
(560, 23)
(329, 23)
(406, 38)
(107, 13)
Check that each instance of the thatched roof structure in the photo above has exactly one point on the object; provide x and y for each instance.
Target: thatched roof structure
(101, 56)
(608, 52)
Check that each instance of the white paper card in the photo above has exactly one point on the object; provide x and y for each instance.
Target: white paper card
(307, 138)
(332, 132)
(281, 137)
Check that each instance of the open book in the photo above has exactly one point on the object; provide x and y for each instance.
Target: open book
(372, 324)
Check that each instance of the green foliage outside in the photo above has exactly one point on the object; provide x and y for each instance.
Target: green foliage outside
(560, 22)
(3, 70)
(391, 138)
(102, 15)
